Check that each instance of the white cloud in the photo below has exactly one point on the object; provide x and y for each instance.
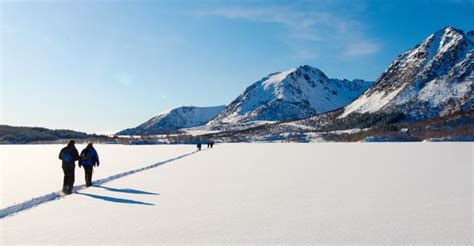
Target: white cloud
(360, 48)
(304, 53)
(306, 36)
(307, 27)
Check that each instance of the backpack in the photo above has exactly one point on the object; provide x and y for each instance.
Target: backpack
(86, 155)
(66, 156)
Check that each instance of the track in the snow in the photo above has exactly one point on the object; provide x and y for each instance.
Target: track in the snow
(14, 209)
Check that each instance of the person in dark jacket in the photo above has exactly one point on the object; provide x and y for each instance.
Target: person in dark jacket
(89, 159)
(69, 156)
(199, 146)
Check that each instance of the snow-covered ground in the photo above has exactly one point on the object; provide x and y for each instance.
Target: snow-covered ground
(29, 171)
(331, 193)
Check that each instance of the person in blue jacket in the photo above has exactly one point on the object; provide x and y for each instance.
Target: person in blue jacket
(89, 159)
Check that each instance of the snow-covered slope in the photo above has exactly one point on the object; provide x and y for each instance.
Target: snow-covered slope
(259, 194)
(296, 93)
(174, 119)
(434, 78)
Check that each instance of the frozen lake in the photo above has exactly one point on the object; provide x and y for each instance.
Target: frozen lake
(333, 193)
(28, 171)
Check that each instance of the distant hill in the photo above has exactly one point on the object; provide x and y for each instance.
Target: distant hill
(175, 119)
(24, 135)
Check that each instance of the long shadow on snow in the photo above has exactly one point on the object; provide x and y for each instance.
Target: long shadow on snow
(126, 190)
(115, 199)
(13, 209)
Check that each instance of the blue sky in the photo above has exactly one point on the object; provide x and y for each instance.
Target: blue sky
(100, 66)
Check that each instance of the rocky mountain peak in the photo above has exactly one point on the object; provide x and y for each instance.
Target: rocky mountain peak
(433, 78)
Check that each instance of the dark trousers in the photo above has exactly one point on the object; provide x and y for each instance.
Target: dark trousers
(88, 170)
(68, 182)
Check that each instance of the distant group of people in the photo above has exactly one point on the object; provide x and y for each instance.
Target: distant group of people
(89, 158)
(210, 144)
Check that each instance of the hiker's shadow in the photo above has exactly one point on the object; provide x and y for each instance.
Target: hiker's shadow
(127, 190)
(115, 199)
(120, 200)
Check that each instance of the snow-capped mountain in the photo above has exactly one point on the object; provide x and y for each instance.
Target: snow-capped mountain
(434, 78)
(426, 92)
(296, 93)
(422, 89)
(174, 119)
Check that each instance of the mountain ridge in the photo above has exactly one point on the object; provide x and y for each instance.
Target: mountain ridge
(433, 78)
(291, 94)
(428, 83)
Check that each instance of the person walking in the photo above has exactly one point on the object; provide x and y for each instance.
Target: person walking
(199, 146)
(68, 155)
(89, 159)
